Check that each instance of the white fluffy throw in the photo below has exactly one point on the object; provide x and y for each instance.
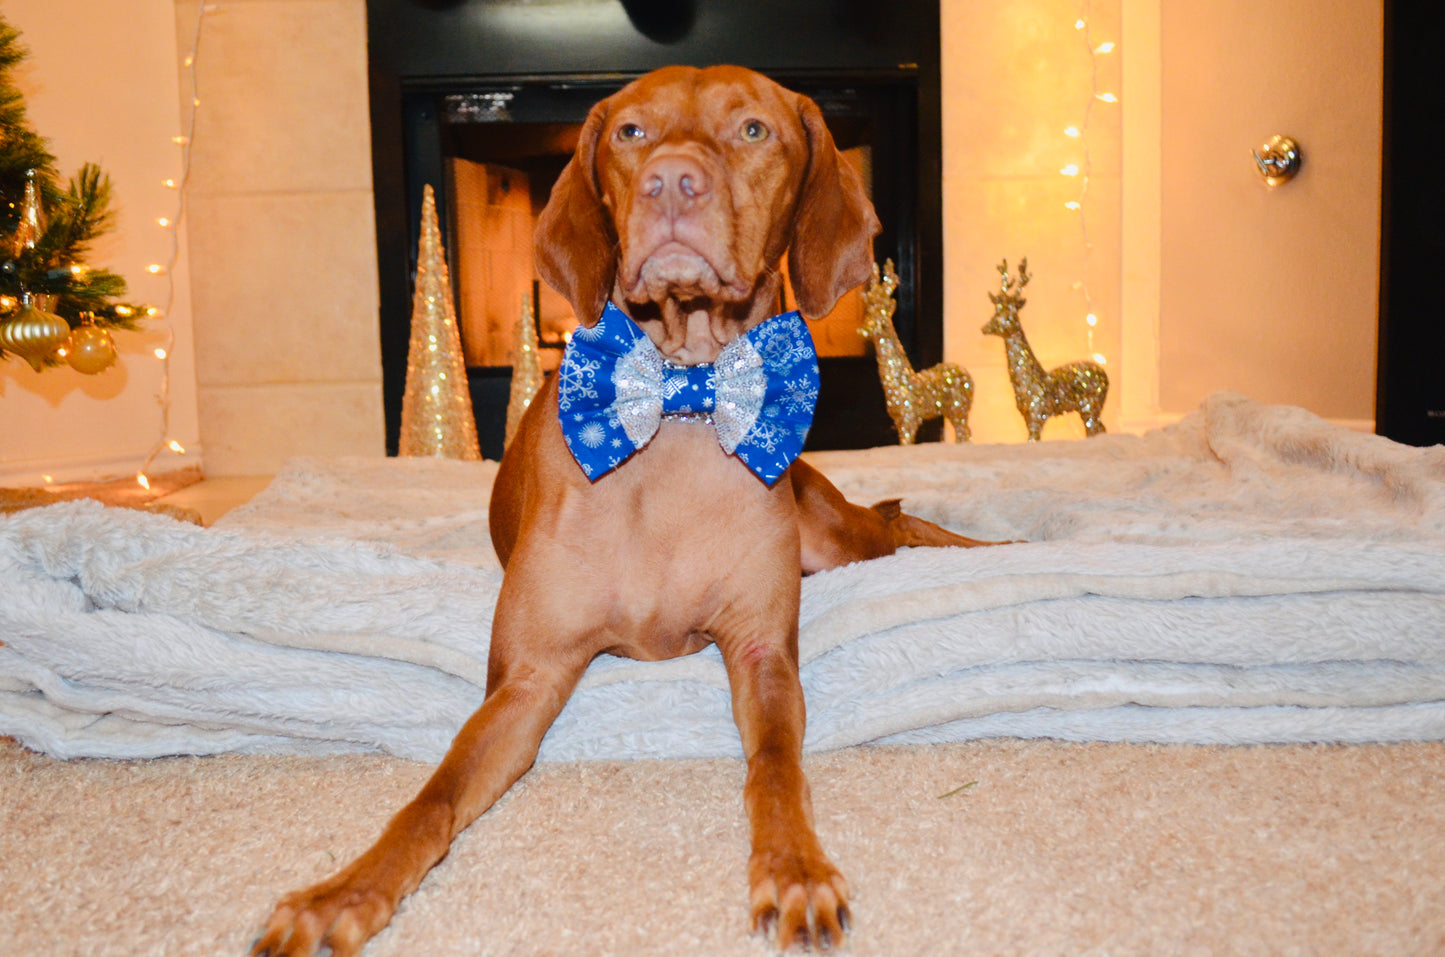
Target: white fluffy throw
(1252, 574)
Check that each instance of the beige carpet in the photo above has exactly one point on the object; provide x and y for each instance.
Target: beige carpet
(1056, 849)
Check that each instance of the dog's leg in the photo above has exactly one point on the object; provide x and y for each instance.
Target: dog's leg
(496, 745)
(792, 884)
(910, 530)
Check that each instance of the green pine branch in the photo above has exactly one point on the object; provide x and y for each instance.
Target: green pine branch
(21, 149)
(79, 215)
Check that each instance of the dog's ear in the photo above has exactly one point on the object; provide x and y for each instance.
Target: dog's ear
(575, 241)
(834, 225)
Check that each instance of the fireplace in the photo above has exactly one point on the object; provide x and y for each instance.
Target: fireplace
(483, 100)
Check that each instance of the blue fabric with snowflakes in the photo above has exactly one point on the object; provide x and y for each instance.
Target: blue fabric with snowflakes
(614, 389)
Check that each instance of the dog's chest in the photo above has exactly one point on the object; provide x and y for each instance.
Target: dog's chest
(680, 542)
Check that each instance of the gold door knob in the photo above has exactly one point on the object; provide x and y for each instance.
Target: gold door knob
(1278, 160)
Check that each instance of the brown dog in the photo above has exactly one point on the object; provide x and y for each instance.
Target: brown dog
(686, 189)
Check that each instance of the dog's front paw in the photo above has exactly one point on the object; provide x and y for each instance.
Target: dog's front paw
(798, 899)
(341, 914)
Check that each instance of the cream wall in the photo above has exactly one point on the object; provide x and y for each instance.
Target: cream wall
(281, 234)
(1015, 76)
(1270, 292)
(101, 86)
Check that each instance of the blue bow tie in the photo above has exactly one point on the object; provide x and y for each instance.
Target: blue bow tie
(614, 389)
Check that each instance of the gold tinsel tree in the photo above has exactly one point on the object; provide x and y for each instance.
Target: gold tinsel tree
(436, 409)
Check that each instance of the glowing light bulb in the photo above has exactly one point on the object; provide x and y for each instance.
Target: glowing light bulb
(155, 269)
(1070, 170)
(168, 183)
(1099, 358)
(1108, 97)
(160, 353)
(162, 222)
(177, 447)
(1092, 319)
(1104, 48)
(1072, 131)
(1073, 205)
(142, 481)
(1079, 24)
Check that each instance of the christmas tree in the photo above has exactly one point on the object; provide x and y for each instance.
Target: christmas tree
(45, 232)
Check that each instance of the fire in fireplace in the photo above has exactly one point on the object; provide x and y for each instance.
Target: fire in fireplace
(484, 99)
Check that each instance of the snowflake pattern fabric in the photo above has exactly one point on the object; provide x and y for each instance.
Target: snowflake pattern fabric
(614, 388)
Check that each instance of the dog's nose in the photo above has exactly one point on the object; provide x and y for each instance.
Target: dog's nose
(678, 182)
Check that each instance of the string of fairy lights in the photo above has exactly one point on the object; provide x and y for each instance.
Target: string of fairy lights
(1084, 168)
(172, 226)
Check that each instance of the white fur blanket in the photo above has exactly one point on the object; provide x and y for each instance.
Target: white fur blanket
(1251, 574)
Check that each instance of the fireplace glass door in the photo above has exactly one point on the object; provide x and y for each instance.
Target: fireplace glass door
(500, 171)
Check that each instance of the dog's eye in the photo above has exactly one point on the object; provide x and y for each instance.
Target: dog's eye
(630, 131)
(754, 131)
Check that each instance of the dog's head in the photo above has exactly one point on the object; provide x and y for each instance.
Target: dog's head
(687, 187)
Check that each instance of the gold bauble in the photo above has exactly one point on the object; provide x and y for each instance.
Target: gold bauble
(33, 335)
(91, 350)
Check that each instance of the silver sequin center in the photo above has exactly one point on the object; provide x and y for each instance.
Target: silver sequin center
(640, 379)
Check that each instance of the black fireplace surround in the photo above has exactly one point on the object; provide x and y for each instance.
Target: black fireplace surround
(439, 66)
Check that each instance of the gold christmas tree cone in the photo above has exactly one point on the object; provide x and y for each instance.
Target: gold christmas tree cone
(436, 410)
(526, 371)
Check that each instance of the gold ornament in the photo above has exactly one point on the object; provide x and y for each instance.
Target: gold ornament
(90, 350)
(1040, 395)
(33, 334)
(526, 371)
(912, 397)
(436, 410)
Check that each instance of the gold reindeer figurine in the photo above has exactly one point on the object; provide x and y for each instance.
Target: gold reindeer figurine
(1040, 395)
(912, 397)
